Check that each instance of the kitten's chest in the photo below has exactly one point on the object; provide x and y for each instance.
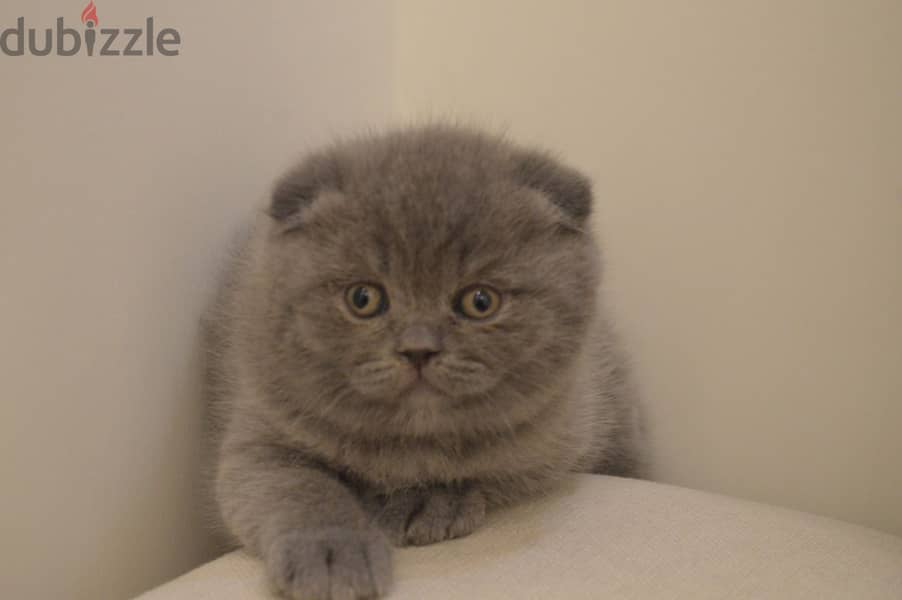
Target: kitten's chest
(399, 463)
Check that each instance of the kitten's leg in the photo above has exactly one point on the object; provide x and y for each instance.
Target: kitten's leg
(311, 531)
(425, 515)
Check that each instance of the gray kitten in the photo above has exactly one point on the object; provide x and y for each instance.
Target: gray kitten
(410, 337)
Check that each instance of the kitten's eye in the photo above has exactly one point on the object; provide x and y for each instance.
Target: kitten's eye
(366, 299)
(478, 302)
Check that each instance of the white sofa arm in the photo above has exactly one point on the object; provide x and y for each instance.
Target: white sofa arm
(604, 537)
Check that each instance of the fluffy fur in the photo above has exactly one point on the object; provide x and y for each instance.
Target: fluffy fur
(332, 444)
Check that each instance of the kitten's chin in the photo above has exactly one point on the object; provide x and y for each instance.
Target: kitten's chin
(384, 380)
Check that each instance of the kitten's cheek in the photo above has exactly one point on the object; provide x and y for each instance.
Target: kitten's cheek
(461, 382)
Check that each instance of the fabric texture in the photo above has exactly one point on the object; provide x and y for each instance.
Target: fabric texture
(606, 537)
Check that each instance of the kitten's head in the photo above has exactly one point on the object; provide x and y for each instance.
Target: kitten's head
(429, 271)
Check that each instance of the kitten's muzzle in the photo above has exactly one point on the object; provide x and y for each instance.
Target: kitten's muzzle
(418, 344)
(418, 359)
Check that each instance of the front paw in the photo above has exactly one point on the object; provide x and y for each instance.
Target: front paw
(420, 516)
(330, 564)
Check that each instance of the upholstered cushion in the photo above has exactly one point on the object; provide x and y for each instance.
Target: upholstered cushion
(604, 537)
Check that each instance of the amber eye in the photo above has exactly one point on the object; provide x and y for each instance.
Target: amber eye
(478, 302)
(366, 299)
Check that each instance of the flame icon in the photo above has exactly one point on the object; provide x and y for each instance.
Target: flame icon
(90, 14)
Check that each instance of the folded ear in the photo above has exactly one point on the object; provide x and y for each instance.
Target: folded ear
(566, 188)
(298, 188)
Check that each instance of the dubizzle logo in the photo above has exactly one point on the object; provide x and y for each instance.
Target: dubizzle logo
(93, 41)
(90, 14)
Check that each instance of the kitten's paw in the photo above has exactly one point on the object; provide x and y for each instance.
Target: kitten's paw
(330, 564)
(424, 516)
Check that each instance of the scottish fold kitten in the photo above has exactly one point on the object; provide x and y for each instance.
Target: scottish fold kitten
(410, 338)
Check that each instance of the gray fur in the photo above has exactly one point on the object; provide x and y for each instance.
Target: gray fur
(334, 444)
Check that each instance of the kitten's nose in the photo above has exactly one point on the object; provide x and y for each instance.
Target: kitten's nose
(418, 359)
(418, 344)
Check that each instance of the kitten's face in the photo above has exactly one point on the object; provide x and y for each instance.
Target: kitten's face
(442, 287)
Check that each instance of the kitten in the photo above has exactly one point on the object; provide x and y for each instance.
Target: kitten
(410, 338)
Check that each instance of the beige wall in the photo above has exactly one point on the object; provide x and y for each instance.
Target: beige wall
(120, 182)
(748, 162)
